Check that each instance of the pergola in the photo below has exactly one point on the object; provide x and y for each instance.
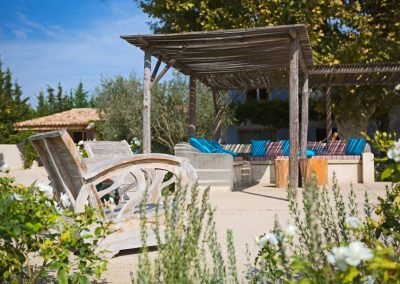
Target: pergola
(256, 58)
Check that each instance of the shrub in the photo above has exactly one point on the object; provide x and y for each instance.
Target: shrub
(60, 242)
(186, 238)
(332, 244)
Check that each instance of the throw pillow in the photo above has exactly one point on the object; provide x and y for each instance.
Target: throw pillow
(258, 148)
(355, 146)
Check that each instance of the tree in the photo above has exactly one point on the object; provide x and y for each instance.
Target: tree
(42, 108)
(80, 97)
(59, 99)
(51, 100)
(13, 107)
(340, 32)
(120, 100)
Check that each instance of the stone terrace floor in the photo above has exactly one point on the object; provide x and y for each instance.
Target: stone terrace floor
(249, 212)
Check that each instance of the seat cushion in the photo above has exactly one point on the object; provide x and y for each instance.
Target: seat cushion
(258, 148)
(355, 146)
(336, 147)
(200, 144)
(320, 148)
(274, 149)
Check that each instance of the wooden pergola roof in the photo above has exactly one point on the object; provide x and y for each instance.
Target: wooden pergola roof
(230, 59)
(355, 74)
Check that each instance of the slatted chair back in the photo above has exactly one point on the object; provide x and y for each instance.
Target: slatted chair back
(106, 149)
(62, 161)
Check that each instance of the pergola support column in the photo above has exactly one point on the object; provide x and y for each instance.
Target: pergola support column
(146, 103)
(192, 107)
(304, 126)
(218, 114)
(294, 112)
(328, 110)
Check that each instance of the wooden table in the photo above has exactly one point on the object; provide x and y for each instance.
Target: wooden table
(320, 169)
(281, 173)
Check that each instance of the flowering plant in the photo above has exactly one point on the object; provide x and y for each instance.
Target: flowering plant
(330, 244)
(388, 159)
(81, 149)
(136, 145)
(34, 229)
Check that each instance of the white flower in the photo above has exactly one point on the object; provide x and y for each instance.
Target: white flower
(5, 168)
(80, 143)
(17, 196)
(369, 280)
(338, 257)
(353, 222)
(136, 141)
(397, 88)
(358, 252)
(110, 204)
(45, 188)
(290, 231)
(267, 238)
(394, 152)
(65, 200)
(351, 255)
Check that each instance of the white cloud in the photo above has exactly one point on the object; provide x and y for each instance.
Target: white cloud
(70, 56)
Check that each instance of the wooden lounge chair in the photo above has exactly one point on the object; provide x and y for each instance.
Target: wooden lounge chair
(77, 177)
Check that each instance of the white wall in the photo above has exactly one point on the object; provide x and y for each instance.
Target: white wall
(12, 156)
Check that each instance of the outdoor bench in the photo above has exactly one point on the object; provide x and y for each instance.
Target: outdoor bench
(224, 170)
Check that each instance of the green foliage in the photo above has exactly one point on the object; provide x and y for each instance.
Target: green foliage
(80, 97)
(51, 103)
(388, 168)
(271, 113)
(13, 107)
(120, 100)
(332, 243)
(186, 237)
(340, 32)
(39, 240)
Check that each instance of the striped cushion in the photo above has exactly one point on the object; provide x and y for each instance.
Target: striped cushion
(258, 148)
(355, 146)
(337, 157)
(319, 147)
(274, 149)
(336, 147)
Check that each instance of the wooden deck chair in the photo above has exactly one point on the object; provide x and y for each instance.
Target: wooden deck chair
(77, 177)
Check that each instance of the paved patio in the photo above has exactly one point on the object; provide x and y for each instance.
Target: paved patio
(249, 212)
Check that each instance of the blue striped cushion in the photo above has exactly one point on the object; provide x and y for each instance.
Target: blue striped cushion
(258, 148)
(355, 146)
(285, 147)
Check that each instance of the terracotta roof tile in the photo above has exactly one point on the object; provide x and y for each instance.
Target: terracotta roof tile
(77, 118)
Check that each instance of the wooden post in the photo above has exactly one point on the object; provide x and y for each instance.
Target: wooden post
(192, 107)
(304, 127)
(294, 113)
(146, 103)
(218, 114)
(328, 110)
(304, 117)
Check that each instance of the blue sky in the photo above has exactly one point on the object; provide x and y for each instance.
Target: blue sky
(49, 41)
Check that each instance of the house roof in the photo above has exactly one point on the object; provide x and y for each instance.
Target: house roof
(229, 59)
(74, 119)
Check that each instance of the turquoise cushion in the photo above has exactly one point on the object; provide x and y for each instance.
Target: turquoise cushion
(310, 153)
(258, 148)
(209, 146)
(285, 147)
(355, 146)
(200, 145)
